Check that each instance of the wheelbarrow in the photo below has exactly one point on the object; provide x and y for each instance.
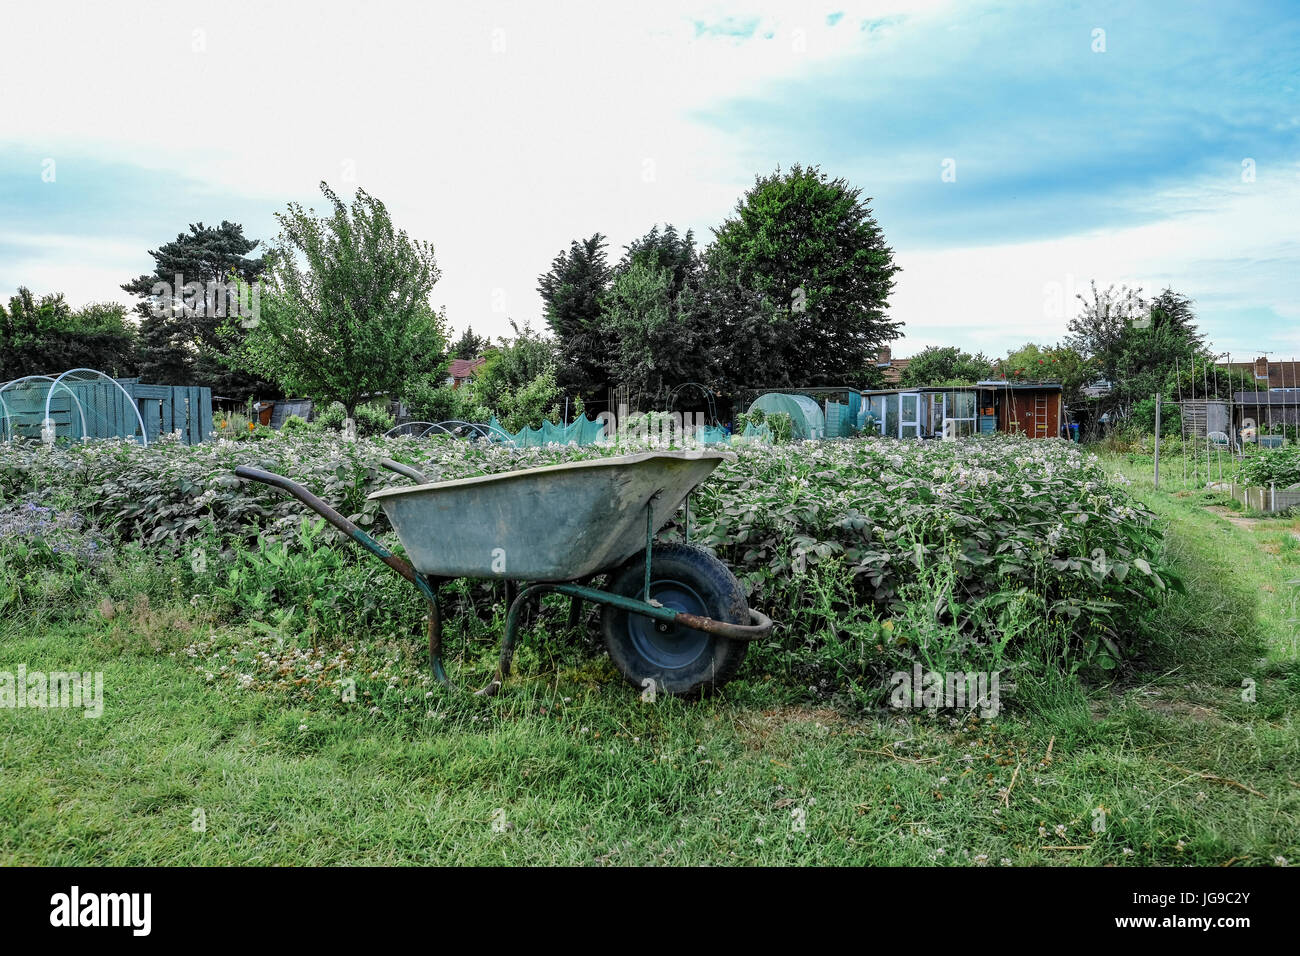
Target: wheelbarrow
(673, 617)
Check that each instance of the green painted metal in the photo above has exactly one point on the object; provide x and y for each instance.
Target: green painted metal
(555, 523)
(649, 545)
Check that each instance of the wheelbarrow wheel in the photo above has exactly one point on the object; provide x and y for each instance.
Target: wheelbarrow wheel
(680, 661)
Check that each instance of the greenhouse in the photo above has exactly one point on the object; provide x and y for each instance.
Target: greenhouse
(807, 416)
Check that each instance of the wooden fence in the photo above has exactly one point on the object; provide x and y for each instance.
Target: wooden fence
(100, 409)
(1266, 499)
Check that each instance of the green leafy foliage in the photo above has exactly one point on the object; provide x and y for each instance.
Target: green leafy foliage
(47, 336)
(354, 319)
(945, 365)
(837, 538)
(782, 426)
(1055, 363)
(809, 247)
(181, 339)
(1279, 466)
(572, 293)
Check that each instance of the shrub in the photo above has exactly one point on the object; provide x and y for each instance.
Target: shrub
(332, 417)
(782, 426)
(296, 423)
(1279, 466)
(373, 418)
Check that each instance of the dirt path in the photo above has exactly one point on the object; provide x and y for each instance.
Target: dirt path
(1232, 517)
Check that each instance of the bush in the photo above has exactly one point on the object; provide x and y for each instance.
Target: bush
(373, 418)
(332, 417)
(1143, 419)
(296, 423)
(1279, 466)
(782, 426)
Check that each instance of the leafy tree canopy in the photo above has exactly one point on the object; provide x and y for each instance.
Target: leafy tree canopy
(572, 293)
(662, 335)
(810, 247)
(46, 336)
(469, 345)
(1136, 344)
(345, 311)
(945, 365)
(1047, 363)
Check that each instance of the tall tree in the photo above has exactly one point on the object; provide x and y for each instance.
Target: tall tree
(356, 320)
(469, 345)
(572, 292)
(810, 246)
(666, 250)
(1138, 345)
(46, 336)
(181, 342)
(661, 337)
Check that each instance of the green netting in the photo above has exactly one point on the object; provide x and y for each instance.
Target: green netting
(836, 420)
(761, 433)
(711, 434)
(581, 431)
(806, 414)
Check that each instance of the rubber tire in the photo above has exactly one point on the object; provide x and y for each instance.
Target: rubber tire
(721, 598)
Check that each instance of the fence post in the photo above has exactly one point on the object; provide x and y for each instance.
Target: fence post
(1157, 476)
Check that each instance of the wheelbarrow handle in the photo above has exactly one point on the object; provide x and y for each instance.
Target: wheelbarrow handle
(337, 520)
(416, 476)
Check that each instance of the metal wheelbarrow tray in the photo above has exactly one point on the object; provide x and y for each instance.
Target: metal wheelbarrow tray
(556, 523)
(674, 618)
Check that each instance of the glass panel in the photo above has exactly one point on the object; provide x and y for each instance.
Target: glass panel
(936, 414)
(961, 405)
(910, 416)
(891, 416)
(875, 412)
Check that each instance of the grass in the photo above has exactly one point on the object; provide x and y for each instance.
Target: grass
(1168, 764)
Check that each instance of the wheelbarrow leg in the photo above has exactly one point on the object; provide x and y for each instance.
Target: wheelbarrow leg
(575, 603)
(513, 620)
(435, 634)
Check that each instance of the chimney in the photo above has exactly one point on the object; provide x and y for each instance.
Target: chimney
(1261, 367)
(886, 354)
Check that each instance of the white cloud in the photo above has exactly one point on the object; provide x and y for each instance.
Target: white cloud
(499, 132)
(1238, 248)
(502, 131)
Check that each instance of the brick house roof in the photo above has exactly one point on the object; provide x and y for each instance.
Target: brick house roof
(891, 369)
(462, 369)
(1276, 374)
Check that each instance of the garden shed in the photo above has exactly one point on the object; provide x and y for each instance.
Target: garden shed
(1032, 409)
(1268, 411)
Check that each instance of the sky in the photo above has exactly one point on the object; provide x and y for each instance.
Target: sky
(1012, 152)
